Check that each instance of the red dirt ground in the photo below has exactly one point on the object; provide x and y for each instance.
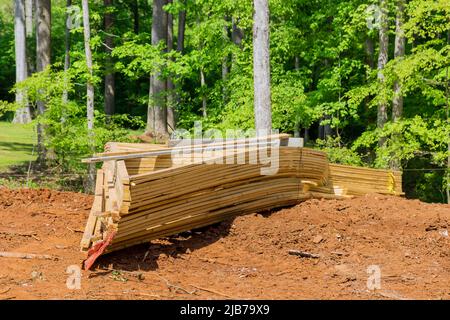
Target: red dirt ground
(245, 258)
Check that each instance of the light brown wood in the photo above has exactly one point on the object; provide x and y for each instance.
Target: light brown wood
(146, 198)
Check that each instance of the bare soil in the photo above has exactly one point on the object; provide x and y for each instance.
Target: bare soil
(244, 258)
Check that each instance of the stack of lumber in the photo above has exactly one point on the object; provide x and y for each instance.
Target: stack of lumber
(143, 194)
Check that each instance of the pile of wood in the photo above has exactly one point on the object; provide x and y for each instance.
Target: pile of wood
(144, 193)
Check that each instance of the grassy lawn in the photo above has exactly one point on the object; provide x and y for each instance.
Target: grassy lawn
(16, 144)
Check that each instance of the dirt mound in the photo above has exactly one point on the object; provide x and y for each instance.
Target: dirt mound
(247, 257)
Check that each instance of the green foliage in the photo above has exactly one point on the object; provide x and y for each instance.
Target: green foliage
(65, 124)
(339, 153)
(5, 107)
(405, 140)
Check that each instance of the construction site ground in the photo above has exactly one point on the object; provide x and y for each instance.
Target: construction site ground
(243, 258)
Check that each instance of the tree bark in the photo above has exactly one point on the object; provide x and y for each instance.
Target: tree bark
(110, 87)
(237, 34)
(203, 87)
(181, 30)
(65, 97)
(261, 67)
(136, 16)
(370, 51)
(23, 113)
(43, 56)
(397, 102)
(29, 17)
(225, 68)
(382, 60)
(89, 92)
(447, 104)
(170, 85)
(43, 34)
(180, 48)
(157, 114)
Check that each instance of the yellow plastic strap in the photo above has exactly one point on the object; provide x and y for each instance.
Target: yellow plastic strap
(391, 182)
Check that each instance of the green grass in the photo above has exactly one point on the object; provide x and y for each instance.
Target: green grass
(16, 144)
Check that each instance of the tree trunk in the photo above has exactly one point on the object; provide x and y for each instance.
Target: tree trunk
(29, 17)
(203, 87)
(23, 113)
(397, 102)
(447, 98)
(43, 34)
(306, 136)
(180, 48)
(399, 52)
(261, 68)
(170, 85)
(181, 30)
(237, 34)
(65, 97)
(370, 51)
(447, 95)
(43, 56)
(382, 60)
(110, 87)
(157, 114)
(136, 16)
(225, 68)
(89, 92)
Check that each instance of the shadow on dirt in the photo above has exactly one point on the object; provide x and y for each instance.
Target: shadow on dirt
(174, 247)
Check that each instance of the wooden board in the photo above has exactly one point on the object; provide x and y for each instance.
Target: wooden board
(144, 198)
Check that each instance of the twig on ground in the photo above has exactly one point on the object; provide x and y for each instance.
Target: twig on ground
(21, 234)
(212, 291)
(214, 261)
(21, 255)
(303, 254)
(75, 230)
(176, 288)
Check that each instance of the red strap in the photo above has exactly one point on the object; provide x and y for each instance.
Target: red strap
(97, 250)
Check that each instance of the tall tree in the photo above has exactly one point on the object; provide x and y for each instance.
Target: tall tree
(225, 60)
(382, 60)
(399, 51)
(203, 89)
(110, 86)
(170, 85)
(447, 111)
(180, 48)
(23, 113)
(43, 56)
(29, 17)
(157, 113)
(181, 30)
(261, 67)
(237, 35)
(202, 76)
(89, 90)
(65, 97)
(136, 16)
